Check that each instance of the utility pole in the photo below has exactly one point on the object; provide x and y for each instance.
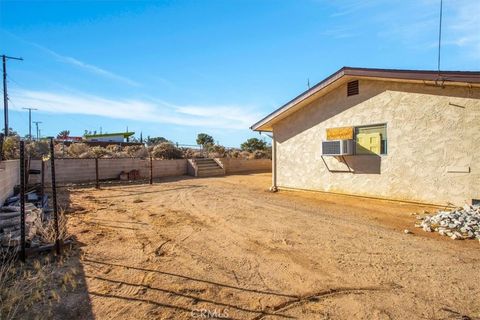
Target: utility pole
(29, 122)
(38, 130)
(5, 95)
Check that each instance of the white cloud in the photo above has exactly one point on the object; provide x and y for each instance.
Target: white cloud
(223, 117)
(88, 67)
(77, 63)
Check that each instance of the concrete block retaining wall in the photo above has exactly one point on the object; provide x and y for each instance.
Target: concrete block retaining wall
(233, 166)
(9, 177)
(83, 170)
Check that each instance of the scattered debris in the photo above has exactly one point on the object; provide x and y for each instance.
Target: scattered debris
(458, 224)
(129, 176)
(406, 231)
(34, 217)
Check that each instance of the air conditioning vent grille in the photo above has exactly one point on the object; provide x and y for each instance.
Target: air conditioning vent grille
(337, 147)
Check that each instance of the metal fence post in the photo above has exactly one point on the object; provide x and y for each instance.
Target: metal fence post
(151, 170)
(22, 201)
(54, 197)
(42, 187)
(1, 146)
(97, 183)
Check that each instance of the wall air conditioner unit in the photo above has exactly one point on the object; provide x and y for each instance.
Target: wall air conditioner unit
(337, 147)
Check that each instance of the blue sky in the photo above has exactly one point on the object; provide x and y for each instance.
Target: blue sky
(177, 68)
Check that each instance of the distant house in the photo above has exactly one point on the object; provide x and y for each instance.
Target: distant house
(119, 137)
(397, 134)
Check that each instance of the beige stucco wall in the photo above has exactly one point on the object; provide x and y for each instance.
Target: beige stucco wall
(430, 130)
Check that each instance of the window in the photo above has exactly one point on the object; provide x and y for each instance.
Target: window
(371, 140)
(352, 88)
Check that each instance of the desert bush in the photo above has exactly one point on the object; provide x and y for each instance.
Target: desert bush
(38, 282)
(166, 150)
(113, 148)
(245, 155)
(11, 148)
(47, 230)
(136, 151)
(234, 154)
(98, 152)
(77, 149)
(258, 154)
(37, 149)
(216, 151)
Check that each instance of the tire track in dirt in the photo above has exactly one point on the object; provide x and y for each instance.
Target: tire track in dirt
(317, 296)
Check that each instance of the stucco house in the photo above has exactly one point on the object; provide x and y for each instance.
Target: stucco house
(397, 134)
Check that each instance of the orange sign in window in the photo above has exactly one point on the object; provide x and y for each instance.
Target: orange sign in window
(343, 133)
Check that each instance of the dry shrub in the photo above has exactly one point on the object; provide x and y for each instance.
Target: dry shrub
(32, 287)
(39, 281)
(99, 152)
(77, 149)
(216, 151)
(113, 148)
(260, 154)
(189, 153)
(11, 147)
(136, 151)
(166, 150)
(47, 230)
(37, 149)
(245, 155)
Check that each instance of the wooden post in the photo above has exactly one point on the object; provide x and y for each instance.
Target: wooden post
(97, 183)
(151, 170)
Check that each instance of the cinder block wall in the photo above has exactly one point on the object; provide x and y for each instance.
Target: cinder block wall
(9, 177)
(232, 166)
(83, 170)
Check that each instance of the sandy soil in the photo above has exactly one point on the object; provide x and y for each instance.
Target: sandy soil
(193, 248)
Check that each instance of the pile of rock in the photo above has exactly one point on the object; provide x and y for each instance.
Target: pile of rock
(461, 223)
(10, 224)
(34, 219)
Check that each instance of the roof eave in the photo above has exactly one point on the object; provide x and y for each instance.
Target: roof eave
(262, 125)
(445, 77)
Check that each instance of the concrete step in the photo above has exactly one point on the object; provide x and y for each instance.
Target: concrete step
(211, 173)
(208, 168)
(208, 165)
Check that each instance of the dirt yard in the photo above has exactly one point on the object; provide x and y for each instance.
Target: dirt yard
(226, 247)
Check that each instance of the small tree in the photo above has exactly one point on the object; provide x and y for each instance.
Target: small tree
(204, 140)
(155, 140)
(63, 134)
(253, 144)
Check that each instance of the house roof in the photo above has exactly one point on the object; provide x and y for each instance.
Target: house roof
(347, 73)
(103, 135)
